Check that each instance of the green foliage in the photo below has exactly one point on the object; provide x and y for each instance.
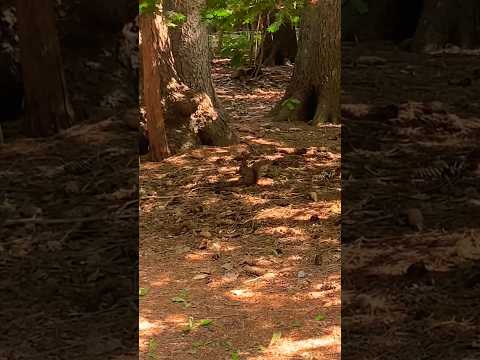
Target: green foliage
(291, 104)
(174, 18)
(150, 6)
(229, 15)
(147, 6)
(236, 47)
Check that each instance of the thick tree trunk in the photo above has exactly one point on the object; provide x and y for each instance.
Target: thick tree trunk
(445, 22)
(186, 115)
(47, 106)
(152, 41)
(279, 47)
(190, 50)
(316, 77)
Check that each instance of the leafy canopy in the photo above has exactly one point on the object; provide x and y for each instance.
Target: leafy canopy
(229, 15)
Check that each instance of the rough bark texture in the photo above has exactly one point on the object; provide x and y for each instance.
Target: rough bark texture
(189, 116)
(316, 77)
(279, 47)
(153, 35)
(190, 50)
(448, 22)
(47, 106)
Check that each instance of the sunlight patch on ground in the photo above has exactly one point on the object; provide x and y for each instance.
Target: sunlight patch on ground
(286, 231)
(264, 141)
(197, 256)
(289, 347)
(282, 213)
(147, 327)
(252, 200)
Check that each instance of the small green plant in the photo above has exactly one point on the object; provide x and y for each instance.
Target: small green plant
(276, 336)
(291, 104)
(143, 292)
(320, 317)
(235, 355)
(152, 349)
(192, 325)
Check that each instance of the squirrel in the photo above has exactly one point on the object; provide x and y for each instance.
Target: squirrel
(250, 173)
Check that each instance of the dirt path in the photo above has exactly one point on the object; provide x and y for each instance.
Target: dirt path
(256, 269)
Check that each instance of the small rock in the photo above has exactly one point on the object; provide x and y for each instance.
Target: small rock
(301, 274)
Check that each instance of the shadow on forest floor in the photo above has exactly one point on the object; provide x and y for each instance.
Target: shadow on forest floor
(261, 262)
(410, 283)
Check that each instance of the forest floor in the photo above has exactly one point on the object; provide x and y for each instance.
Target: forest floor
(411, 205)
(243, 272)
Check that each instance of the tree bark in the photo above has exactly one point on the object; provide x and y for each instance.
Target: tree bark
(279, 47)
(47, 106)
(189, 117)
(316, 78)
(445, 22)
(151, 43)
(189, 42)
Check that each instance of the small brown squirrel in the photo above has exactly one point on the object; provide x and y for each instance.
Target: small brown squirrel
(250, 173)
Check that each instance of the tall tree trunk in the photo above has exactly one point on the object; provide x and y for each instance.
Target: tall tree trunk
(47, 106)
(448, 21)
(279, 47)
(189, 43)
(316, 77)
(188, 115)
(152, 42)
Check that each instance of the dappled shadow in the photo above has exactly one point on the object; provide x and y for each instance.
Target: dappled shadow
(258, 261)
(410, 208)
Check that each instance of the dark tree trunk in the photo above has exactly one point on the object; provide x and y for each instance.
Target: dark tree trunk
(445, 22)
(47, 106)
(316, 77)
(189, 42)
(279, 47)
(393, 20)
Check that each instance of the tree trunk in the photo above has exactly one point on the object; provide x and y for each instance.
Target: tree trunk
(189, 117)
(47, 106)
(152, 41)
(189, 43)
(316, 77)
(445, 22)
(279, 47)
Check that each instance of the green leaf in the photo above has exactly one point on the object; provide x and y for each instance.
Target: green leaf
(178, 299)
(143, 291)
(205, 322)
(320, 317)
(235, 355)
(275, 337)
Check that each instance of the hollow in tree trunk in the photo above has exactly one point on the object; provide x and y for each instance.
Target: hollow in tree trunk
(47, 106)
(445, 22)
(278, 47)
(187, 116)
(315, 81)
